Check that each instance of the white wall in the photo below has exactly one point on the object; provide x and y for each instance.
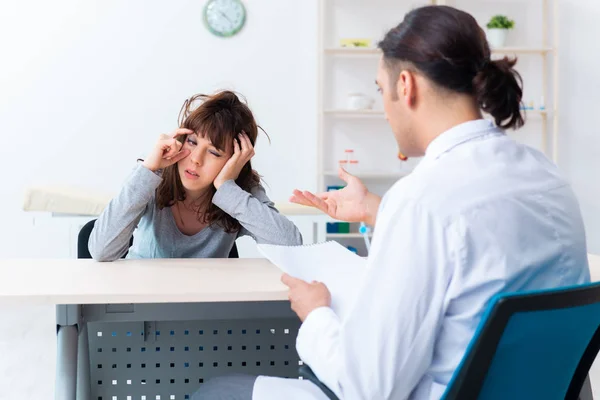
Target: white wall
(579, 153)
(87, 87)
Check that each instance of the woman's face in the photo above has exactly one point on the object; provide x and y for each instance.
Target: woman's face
(200, 168)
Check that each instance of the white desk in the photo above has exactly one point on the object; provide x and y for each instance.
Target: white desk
(136, 291)
(213, 287)
(73, 281)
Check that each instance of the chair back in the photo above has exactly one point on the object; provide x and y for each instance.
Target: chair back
(531, 345)
(84, 236)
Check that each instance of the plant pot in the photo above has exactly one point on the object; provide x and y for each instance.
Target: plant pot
(497, 37)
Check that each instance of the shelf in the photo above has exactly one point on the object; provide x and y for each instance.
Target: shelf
(522, 50)
(371, 175)
(346, 235)
(341, 113)
(353, 51)
(371, 52)
(542, 113)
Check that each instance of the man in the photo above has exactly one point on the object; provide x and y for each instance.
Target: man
(480, 215)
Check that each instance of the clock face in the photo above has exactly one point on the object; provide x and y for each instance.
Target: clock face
(224, 17)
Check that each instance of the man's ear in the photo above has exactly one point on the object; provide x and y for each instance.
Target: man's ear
(406, 87)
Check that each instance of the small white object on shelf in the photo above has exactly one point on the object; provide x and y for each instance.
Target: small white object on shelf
(497, 37)
(360, 101)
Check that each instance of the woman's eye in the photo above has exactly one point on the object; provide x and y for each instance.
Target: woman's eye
(214, 153)
(191, 142)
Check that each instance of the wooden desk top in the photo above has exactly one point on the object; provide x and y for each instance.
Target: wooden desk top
(72, 281)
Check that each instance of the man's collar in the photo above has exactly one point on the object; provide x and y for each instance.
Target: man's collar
(459, 134)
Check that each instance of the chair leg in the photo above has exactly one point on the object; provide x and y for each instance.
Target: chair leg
(66, 363)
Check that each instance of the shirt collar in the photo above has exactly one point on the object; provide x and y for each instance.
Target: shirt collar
(458, 135)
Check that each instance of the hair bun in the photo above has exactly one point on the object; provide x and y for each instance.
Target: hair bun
(499, 92)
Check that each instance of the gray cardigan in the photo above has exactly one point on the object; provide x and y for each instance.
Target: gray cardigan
(157, 235)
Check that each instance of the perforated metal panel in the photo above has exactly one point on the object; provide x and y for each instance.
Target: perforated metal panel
(170, 360)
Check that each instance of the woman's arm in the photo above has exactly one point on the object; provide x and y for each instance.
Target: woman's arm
(112, 232)
(257, 214)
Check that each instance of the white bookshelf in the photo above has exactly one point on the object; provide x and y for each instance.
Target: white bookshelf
(535, 42)
(344, 70)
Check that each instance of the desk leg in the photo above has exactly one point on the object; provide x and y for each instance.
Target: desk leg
(66, 363)
(83, 365)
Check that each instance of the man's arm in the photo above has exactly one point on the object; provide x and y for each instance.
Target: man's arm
(386, 343)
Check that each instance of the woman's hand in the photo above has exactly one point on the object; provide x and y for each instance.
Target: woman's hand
(167, 151)
(354, 203)
(231, 170)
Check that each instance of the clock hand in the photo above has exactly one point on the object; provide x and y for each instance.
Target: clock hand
(225, 15)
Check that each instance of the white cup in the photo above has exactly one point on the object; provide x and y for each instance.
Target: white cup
(360, 101)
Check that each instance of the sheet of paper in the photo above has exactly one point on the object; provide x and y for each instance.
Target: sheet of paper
(331, 263)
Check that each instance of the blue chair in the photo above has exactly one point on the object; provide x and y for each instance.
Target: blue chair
(529, 345)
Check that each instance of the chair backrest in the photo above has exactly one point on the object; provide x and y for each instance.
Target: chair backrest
(84, 236)
(531, 345)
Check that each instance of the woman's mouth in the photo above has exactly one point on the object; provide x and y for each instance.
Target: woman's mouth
(191, 174)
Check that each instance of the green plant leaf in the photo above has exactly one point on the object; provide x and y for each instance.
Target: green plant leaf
(500, 22)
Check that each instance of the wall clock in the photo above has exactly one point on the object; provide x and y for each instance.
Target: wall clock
(224, 18)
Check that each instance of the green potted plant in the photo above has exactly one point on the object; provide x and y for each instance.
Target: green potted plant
(498, 27)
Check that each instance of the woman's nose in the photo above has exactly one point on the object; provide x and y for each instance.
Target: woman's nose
(196, 157)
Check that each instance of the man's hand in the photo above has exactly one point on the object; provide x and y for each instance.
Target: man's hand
(353, 203)
(306, 297)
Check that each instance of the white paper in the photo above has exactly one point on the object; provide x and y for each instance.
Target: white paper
(331, 263)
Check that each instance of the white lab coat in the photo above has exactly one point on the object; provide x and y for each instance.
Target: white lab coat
(480, 215)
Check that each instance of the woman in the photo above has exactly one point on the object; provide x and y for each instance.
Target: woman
(195, 193)
(480, 215)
